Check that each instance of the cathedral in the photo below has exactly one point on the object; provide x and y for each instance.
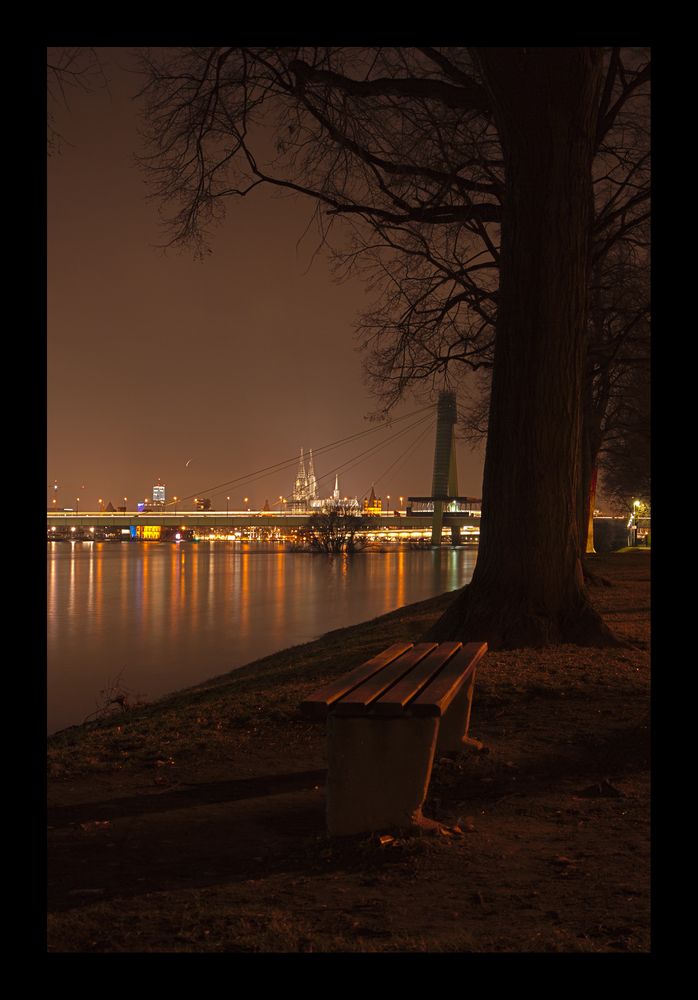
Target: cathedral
(304, 496)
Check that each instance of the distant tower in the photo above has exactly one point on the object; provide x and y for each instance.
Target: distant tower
(373, 505)
(159, 494)
(300, 488)
(311, 482)
(335, 492)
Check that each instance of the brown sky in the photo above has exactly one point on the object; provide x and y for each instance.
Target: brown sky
(231, 364)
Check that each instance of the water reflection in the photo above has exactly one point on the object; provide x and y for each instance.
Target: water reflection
(169, 616)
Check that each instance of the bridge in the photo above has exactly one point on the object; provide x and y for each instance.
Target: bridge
(238, 520)
(443, 509)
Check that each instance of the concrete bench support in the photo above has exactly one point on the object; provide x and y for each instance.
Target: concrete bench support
(378, 774)
(453, 731)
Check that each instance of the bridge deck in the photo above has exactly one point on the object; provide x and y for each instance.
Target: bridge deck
(242, 519)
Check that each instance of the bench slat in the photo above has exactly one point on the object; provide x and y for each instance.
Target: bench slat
(358, 701)
(317, 704)
(439, 693)
(393, 701)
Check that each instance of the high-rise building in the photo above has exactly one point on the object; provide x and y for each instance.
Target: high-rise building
(158, 494)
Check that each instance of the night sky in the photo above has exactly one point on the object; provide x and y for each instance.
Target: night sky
(156, 360)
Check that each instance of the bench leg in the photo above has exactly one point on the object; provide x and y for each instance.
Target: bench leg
(453, 733)
(378, 773)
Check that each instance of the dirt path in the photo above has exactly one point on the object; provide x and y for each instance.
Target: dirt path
(200, 825)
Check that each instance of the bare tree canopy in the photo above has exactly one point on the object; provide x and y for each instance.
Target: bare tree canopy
(401, 146)
(476, 188)
(68, 69)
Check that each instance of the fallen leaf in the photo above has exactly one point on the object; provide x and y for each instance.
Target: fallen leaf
(95, 824)
(466, 824)
(603, 789)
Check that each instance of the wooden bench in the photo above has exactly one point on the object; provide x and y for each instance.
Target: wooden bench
(386, 720)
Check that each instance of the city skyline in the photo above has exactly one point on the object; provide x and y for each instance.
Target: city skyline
(198, 372)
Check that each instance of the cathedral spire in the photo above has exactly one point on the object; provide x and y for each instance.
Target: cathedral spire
(312, 482)
(300, 489)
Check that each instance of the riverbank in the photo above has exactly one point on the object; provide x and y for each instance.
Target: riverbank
(195, 824)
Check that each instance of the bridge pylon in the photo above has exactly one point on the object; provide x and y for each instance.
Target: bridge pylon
(444, 484)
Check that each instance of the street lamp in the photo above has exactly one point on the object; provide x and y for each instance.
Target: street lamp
(227, 505)
(125, 500)
(100, 501)
(401, 499)
(388, 499)
(77, 501)
(246, 500)
(175, 505)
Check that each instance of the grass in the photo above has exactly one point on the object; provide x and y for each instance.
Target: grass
(196, 823)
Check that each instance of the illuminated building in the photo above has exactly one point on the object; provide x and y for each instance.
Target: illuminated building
(159, 495)
(373, 505)
(304, 497)
(305, 486)
(148, 532)
(158, 501)
(351, 504)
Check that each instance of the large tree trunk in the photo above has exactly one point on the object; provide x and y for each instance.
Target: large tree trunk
(528, 586)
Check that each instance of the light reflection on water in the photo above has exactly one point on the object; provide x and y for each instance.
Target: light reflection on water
(170, 616)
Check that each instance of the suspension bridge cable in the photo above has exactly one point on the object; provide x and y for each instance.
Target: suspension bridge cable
(351, 463)
(409, 448)
(287, 463)
(357, 459)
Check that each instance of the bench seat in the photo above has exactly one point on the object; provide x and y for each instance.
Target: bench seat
(386, 720)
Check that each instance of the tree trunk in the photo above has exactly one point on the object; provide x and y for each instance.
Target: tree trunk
(528, 586)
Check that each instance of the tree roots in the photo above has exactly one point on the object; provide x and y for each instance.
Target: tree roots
(513, 627)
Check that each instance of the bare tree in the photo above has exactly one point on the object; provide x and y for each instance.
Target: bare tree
(333, 530)
(68, 69)
(625, 457)
(618, 357)
(425, 153)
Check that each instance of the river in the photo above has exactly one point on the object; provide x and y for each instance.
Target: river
(160, 617)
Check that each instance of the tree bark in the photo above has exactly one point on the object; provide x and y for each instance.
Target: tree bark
(528, 586)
